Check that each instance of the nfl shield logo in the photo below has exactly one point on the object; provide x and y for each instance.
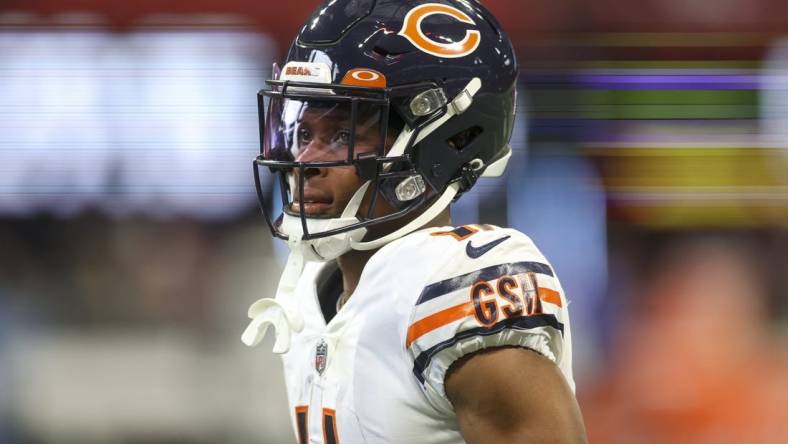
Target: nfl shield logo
(321, 355)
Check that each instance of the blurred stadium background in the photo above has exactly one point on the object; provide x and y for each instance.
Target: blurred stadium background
(651, 166)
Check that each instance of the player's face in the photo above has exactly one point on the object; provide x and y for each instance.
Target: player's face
(323, 133)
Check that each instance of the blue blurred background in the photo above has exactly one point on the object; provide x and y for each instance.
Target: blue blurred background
(650, 166)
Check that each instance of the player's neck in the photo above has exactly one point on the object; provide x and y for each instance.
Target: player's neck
(352, 263)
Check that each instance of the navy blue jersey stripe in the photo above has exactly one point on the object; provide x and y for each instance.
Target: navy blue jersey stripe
(517, 323)
(329, 429)
(303, 435)
(441, 288)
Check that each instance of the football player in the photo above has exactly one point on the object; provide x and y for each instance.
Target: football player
(393, 325)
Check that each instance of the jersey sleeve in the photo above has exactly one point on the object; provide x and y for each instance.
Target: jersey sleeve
(494, 289)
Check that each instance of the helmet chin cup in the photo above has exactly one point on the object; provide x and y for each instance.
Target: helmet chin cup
(330, 247)
(325, 248)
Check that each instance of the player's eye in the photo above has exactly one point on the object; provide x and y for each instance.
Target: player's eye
(304, 136)
(343, 137)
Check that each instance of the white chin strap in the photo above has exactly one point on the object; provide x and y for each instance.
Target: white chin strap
(431, 213)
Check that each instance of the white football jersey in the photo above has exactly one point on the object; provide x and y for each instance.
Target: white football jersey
(375, 372)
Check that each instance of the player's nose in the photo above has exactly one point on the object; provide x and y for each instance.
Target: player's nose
(315, 151)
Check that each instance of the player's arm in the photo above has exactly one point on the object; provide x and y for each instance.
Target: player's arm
(513, 395)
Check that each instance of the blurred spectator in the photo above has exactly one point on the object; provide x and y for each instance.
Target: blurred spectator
(696, 361)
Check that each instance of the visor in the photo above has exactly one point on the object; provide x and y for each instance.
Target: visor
(322, 130)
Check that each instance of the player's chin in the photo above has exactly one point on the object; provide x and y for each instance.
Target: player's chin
(318, 210)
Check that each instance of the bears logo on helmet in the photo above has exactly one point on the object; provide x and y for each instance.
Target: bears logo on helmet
(411, 29)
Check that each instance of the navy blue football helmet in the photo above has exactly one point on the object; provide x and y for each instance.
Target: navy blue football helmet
(419, 99)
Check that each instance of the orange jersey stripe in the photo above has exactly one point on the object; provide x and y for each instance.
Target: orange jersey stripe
(436, 320)
(551, 296)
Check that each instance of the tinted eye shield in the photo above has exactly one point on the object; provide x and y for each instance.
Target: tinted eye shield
(370, 166)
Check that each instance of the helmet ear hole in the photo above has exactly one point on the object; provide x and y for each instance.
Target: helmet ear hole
(464, 137)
